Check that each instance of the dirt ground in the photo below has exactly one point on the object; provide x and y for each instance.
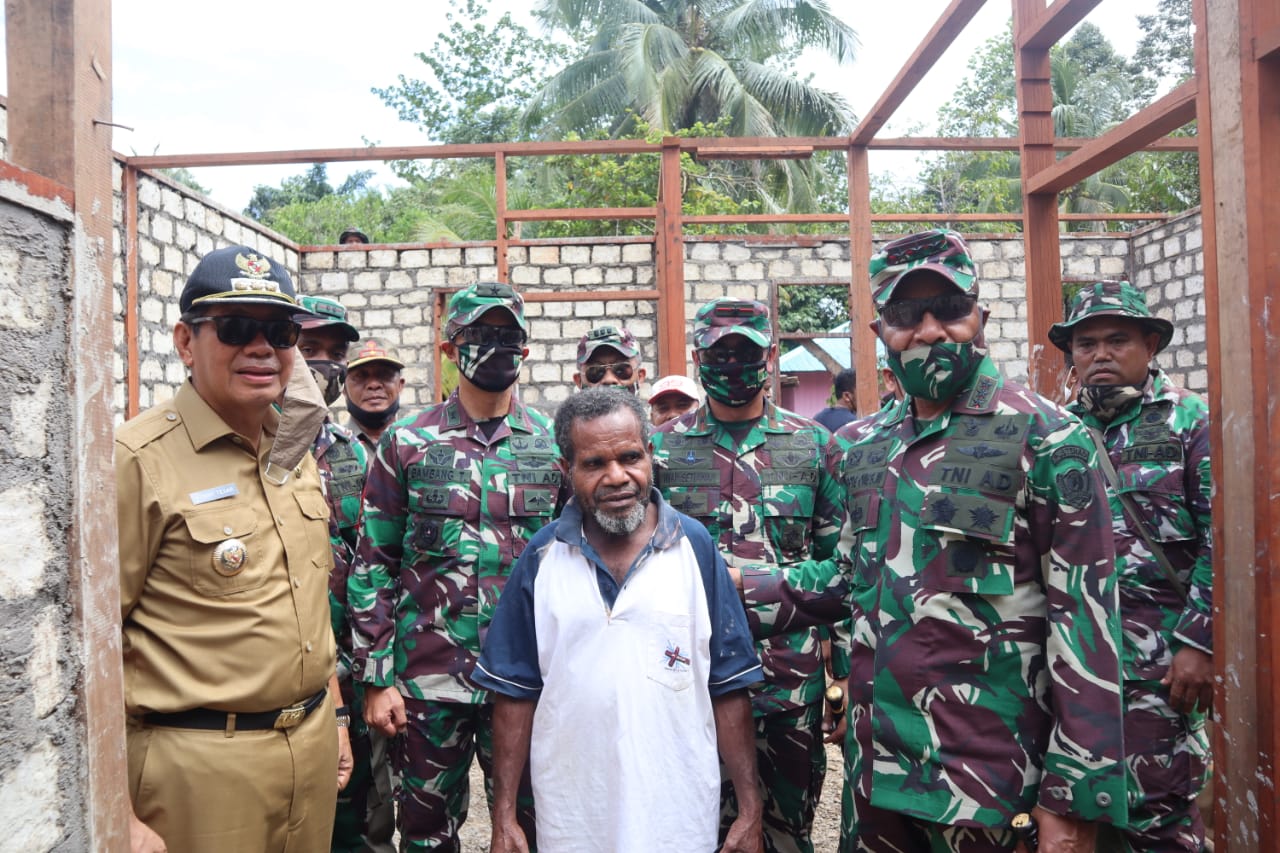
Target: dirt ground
(826, 823)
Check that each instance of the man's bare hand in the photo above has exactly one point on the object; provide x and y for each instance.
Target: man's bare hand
(384, 710)
(143, 839)
(1190, 680)
(346, 763)
(746, 835)
(508, 837)
(1059, 834)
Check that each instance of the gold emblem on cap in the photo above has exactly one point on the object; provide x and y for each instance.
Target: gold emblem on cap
(230, 557)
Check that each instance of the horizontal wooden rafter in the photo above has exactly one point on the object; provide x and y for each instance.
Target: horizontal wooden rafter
(949, 25)
(1056, 21)
(1164, 116)
(1267, 45)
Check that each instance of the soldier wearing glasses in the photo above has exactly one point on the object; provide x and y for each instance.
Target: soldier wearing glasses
(452, 498)
(608, 355)
(985, 667)
(230, 688)
(755, 475)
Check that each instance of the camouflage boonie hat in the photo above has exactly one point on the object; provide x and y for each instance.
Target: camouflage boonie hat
(607, 336)
(722, 317)
(326, 311)
(939, 250)
(469, 304)
(1109, 299)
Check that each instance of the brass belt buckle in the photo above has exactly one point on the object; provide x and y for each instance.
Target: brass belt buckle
(291, 716)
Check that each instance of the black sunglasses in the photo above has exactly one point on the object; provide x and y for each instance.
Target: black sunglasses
(236, 331)
(594, 373)
(741, 354)
(503, 336)
(906, 313)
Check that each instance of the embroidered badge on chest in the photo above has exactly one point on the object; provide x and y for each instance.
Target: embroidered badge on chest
(675, 661)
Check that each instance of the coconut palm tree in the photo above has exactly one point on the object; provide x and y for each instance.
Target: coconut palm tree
(677, 62)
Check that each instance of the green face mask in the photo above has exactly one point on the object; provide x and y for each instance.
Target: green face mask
(1107, 401)
(734, 385)
(938, 372)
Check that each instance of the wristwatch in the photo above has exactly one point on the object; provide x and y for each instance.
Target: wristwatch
(344, 717)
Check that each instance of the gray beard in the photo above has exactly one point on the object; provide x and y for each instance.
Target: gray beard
(622, 525)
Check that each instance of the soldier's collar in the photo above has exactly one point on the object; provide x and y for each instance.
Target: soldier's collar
(455, 417)
(979, 396)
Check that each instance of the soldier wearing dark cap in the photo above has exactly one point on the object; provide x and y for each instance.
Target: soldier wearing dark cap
(352, 234)
(1157, 438)
(985, 652)
(373, 386)
(365, 819)
(452, 498)
(609, 355)
(755, 475)
(230, 688)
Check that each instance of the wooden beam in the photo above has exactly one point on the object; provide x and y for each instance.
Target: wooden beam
(132, 328)
(669, 269)
(1165, 115)
(861, 311)
(500, 215)
(949, 25)
(59, 71)
(1266, 45)
(1055, 22)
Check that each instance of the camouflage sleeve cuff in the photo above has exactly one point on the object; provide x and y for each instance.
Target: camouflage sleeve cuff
(376, 670)
(1194, 629)
(1097, 795)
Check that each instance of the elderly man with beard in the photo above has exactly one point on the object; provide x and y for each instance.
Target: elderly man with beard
(621, 657)
(985, 668)
(452, 499)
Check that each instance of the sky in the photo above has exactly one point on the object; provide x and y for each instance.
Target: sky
(257, 75)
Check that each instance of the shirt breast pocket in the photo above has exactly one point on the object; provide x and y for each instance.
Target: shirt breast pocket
(1164, 513)
(438, 514)
(226, 557)
(964, 564)
(669, 650)
(315, 510)
(788, 514)
(529, 508)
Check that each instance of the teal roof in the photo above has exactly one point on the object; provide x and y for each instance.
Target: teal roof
(800, 360)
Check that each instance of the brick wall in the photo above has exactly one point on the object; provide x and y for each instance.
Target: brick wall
(1168, 265)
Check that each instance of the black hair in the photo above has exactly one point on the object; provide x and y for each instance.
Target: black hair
(845, 380)
(596, 402)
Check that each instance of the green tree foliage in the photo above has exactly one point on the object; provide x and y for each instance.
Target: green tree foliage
(184, 177)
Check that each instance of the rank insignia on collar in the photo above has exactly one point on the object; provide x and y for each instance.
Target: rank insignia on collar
(230, 557)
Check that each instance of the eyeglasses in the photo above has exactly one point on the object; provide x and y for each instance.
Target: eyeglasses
(906, 313)
(236, 331)
(740, 354)
(503, 336)
(594, 373)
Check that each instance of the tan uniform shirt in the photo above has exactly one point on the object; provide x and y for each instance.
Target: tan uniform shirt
(202, 629)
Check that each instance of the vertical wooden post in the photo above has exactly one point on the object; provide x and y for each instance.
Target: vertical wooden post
(1045, 365)
(669, 262)
(59, 70)
(861, 315)
(500, 215)
(133, 360)
(1239, 120)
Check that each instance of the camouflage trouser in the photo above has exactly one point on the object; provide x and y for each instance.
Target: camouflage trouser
(867, 828)
(1167, 758)
(433, 762)
(792, 761)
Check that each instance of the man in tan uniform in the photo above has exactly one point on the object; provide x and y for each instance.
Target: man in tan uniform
(233, 742)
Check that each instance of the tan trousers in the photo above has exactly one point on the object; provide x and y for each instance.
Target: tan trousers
(252, 792)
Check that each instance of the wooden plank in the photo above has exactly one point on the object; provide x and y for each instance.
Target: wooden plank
(500, 215)
(1165, 115)
(1266, 45)
(574, 214)
(132, 333)
(861, 311)
(950, 24)
(1054, 23)
(669, 269)
(775, 152)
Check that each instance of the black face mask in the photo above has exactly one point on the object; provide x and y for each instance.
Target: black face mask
(373, 420)
(329, 376)
(490, 367)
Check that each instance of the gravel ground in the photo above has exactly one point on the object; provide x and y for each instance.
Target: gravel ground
(826, 823)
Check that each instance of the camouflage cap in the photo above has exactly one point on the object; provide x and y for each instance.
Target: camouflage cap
(607, 336)
(353, 231)
(371, 350)
(939, 250)
(326, 311)
(722, 317)
(237, 275)
(1109, 299)
(469, 304)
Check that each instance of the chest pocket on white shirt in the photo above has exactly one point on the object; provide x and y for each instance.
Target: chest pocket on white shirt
(669, 650)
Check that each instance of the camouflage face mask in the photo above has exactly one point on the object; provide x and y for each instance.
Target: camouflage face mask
(734, 385)
(329, 375)
(938, 372)
(1104, 402)
(490, 367)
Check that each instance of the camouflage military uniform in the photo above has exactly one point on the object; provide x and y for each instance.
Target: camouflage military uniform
(447, 512)
(766, 497)
(365, 818)
(1160, 450)
(985, 672)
